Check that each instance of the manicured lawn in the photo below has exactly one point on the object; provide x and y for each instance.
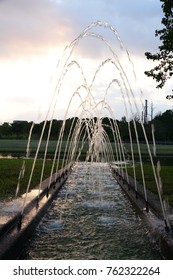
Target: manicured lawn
(18, 147)
(166, 174)
(160, 148)
(10, 168)
(9, 173)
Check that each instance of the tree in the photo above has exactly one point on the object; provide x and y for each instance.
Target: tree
(164, 70)
(163, 126)
(5, 130)
(20, 128)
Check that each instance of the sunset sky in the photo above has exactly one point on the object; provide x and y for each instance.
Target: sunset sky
(34, 34)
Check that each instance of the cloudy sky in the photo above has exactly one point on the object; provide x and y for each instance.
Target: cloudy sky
(34, 34)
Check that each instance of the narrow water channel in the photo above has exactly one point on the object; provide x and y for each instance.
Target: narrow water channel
(92, 219)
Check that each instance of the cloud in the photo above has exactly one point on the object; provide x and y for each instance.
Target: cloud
(135, 20)
(30, 26)
(22, 100)
(34, 33)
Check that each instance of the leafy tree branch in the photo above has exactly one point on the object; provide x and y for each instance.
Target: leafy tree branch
(164, 70)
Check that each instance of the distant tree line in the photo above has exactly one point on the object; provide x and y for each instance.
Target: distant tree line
(163, 128)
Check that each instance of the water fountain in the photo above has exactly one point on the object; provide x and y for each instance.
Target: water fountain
(94, 98)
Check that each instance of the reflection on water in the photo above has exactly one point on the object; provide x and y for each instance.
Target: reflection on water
(91, 219)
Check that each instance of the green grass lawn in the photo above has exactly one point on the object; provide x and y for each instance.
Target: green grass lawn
(17, 148)
(160, 148)
(10, 168)
(9, 173)
(166, 174)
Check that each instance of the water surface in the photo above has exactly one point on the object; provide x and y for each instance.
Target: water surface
(92, 219)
